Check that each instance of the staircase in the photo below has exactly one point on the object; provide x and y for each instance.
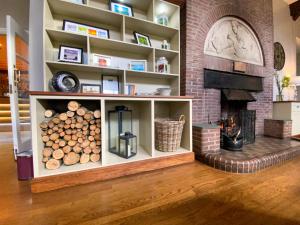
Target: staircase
(5, 115)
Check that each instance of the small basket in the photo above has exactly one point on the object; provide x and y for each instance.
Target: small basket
(168, 134)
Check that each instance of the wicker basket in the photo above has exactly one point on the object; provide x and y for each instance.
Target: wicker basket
(168, 134)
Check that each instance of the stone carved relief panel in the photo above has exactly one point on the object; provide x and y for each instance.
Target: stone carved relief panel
(231, 38)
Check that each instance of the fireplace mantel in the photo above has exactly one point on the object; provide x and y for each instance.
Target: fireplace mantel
(229, 80)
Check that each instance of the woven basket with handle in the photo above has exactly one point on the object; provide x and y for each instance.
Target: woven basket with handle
(168, 134)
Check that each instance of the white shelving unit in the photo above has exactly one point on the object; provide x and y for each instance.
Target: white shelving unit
(120, 46)
(145, 111)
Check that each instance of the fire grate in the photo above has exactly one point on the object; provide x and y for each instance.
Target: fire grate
(247, 122)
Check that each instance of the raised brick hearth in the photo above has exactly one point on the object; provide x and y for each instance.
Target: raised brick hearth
(266, 152)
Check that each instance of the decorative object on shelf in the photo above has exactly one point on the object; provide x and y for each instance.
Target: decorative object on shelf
(91, 88)
(70, 54)
(64, 81)
(281, 85)
(138, 65)
(164, 91)
(121, 8)
(110, 84)
(71, 137)
(130, 89)
(163, 20)
(168, 134)
(102, 60)
(77, 1)
(165, 45)
(121, 141)
(85, 29)
(142, 39)
(162, 65)
(279, 56)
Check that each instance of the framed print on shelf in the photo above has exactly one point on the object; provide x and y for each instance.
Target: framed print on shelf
(70, 54)
(91, 88)
(138, 65)
(77, 1)
(110, 84)
(101, 60)
(85, 29)
(142, 39)
(120, 8)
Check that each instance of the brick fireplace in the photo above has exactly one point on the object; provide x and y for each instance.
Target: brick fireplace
(200, 17)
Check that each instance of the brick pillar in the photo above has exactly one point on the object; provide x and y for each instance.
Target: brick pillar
(278, 128)
(206, 138)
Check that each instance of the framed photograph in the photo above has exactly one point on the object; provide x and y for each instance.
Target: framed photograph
(110, 84)
(91, 88)
(101, 60)
(138, 65)
(120, 8)
(142, 39)
(70, 54)
(85, 29)
(77, 1)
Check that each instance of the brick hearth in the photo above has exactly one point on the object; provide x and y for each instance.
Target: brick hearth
(264, 153)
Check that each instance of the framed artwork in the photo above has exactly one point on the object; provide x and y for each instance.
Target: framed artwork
(101, 60)
(142, 39)
(121, 8)
(70, 54)
(85, 29)
(77, 1)
(110, 84)
(138, 65)
(91, 88)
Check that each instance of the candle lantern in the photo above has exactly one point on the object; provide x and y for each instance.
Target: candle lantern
(120, 137)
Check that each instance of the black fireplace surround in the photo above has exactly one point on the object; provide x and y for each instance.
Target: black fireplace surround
(235, 94)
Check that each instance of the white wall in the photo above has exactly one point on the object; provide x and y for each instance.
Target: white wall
(36, 45)
(18, 9)
(285, 32)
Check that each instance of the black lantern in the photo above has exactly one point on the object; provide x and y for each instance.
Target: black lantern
(121, 141)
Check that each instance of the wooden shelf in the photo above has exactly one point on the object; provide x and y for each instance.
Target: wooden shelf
(54, 65)
(69, 9)
(66, 37)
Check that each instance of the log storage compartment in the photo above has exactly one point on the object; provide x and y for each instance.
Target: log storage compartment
(68, 135)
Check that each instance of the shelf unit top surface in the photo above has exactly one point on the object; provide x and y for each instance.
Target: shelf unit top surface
(149, 97)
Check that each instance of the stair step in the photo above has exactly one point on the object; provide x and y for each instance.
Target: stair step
(24, 119)
(6, 113)
(7, 107)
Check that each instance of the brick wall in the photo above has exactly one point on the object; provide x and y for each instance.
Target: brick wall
(206, 139)
(197, 17)
(278, 128)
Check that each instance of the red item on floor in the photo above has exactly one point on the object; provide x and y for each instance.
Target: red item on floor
(25, 166)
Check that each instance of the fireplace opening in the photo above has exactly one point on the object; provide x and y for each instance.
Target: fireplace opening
(237, 122)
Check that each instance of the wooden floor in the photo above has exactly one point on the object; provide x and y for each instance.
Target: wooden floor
(189, 194)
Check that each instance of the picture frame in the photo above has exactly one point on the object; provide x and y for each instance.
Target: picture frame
(85, 29)
(138, 65)
(90, 88)
(102, 60)
(121, 8)
(77, 1)
(70, 54)
(142, 39)
(110, 84)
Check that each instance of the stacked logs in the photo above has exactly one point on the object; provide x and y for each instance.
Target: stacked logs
(71, 137)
